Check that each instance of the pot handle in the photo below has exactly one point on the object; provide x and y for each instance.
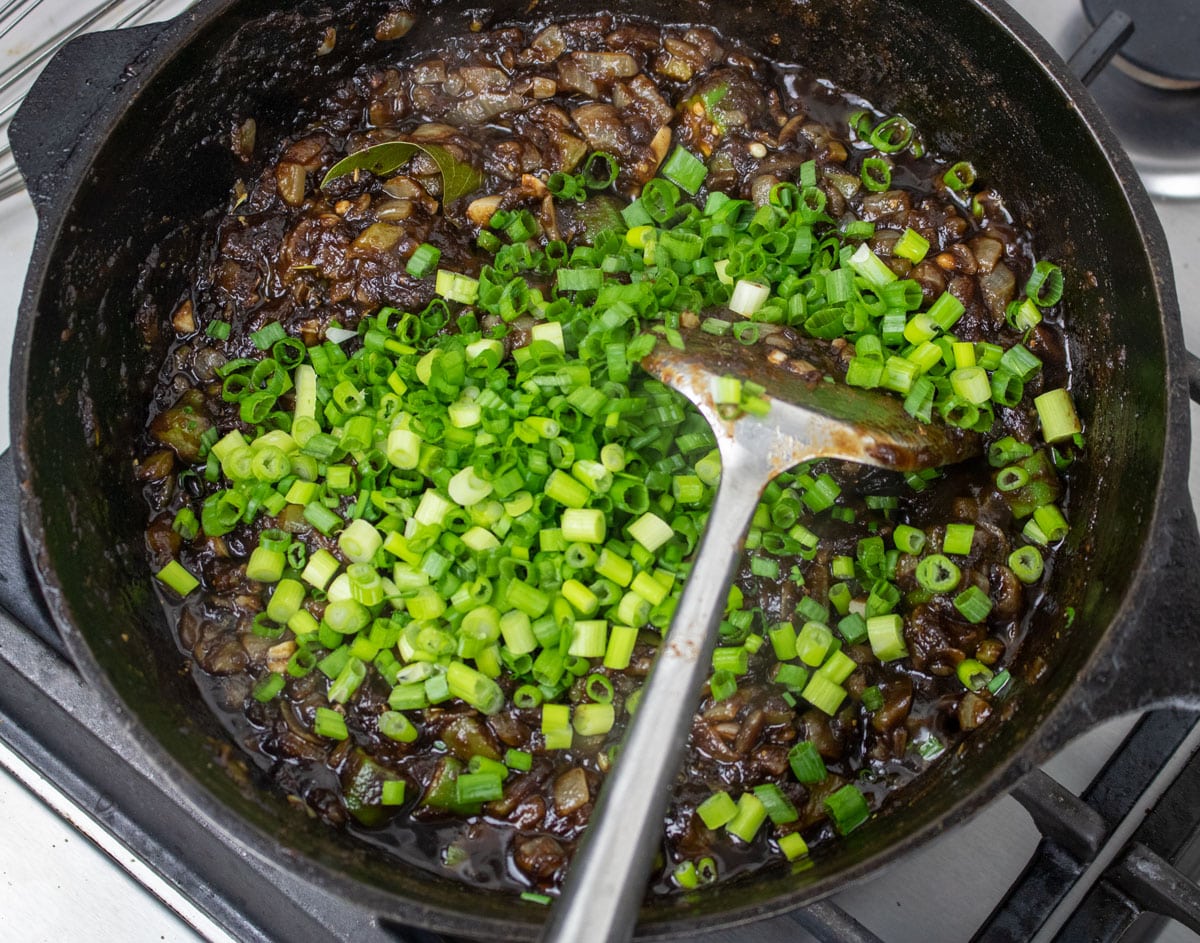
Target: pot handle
(1192, 363)
(19, 591)
(79, 81)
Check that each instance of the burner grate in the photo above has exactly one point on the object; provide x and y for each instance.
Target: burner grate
(1152, 97)
(1162, 52)
(1089, 875)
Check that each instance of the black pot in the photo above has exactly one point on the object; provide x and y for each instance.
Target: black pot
(123, 142)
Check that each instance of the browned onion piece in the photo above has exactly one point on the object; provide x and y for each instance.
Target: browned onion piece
(290, 180)
(571, 791)
(539, 856)
(601, 125)
(395, 25)
(155, 466)
(605, 66)
(548, 45)
(998, 288)
(973, 711)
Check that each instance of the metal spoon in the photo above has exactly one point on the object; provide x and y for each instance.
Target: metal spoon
(809, 418)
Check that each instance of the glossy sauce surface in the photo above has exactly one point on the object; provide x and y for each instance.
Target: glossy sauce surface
(516, 104)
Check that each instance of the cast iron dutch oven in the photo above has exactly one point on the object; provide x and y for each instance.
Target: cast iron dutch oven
(124, 144)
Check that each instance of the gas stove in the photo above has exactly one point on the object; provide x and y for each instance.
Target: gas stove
(96, 849)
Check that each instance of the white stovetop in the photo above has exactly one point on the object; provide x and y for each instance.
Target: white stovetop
(61, 877)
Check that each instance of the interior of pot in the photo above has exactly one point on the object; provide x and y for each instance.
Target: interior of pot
(166, 170)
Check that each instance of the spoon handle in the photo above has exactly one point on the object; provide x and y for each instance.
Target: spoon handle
(607, 880)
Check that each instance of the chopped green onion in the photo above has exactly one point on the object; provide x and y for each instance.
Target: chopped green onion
(946, 311)
(870, 267)
(930, 747)
(908, 539)
(391, 792)
(876, 174)
(853, 628)
(960, 176)
(599, 689)
(177, 577)
(958, 539)
(734, 660)
(1056, 411)
(268, 688)
(751, 813)
(359, 541)
(973, 674)
(824, 694)
(848, 809)
(268, 335)
(886, 634)
(723, 685)
(651, 531)
(591, 720)
(783, 641)
(999, 682)
(717, 810)
(1027, 563)
(1011, 478)
(329, 723)
(937, 573)
(911, 245)
(584, 525)
(423, 260)
(792, 677)
(455, 287)
(685, 875)
(395, 726)
(838, 667)
(779, 808)
(748, 297)
(971, 384)
(472, 788)
(973, 604)
(893, 134)
(265, 565)
(807, 765)
(621, 641)
(813, 643)
(1051, 522)
(478, 690)
(1045, 285)
(556, 726)
(519, 760)
(685, 169)
(285, 601)
(792, 845)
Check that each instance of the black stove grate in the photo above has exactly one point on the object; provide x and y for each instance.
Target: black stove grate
(1156, 770)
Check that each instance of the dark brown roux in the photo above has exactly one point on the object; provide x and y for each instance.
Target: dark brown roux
(522, 102)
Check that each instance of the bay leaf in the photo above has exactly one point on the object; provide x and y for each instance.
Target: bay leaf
(458, 177)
